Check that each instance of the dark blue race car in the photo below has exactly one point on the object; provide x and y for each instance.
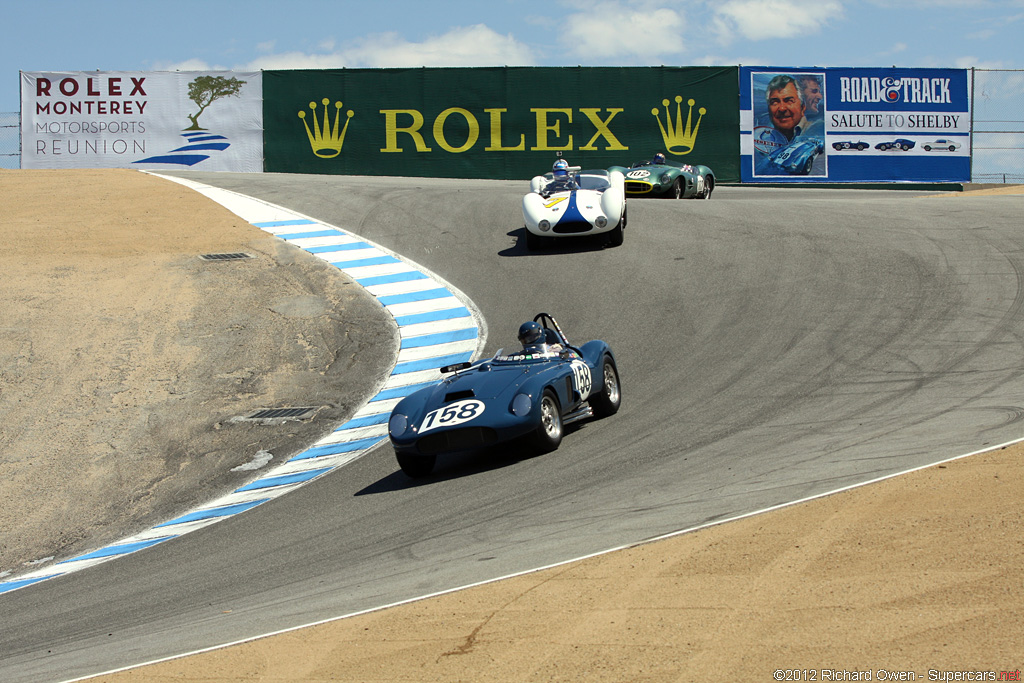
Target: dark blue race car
(797, 158)
(530, 394)
(860, 146)
(898, 143)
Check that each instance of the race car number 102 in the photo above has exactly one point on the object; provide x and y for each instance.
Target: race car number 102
(452, 414)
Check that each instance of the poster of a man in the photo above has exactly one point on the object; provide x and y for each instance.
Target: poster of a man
(813, 94)
(789, 124)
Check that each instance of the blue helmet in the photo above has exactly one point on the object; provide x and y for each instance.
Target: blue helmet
(560, 168)
(530, 333)
(659, 158)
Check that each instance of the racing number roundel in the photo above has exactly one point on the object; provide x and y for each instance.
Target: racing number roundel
(640, 173)
(581, 378)
(452, 414)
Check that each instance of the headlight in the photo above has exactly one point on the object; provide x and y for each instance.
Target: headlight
(397, 424)
(521, 405)
(601, 221)
(665, 178)
(544, 226)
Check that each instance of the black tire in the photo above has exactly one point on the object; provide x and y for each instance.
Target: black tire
(416, 466)
(533, 242)
(616, 236)
(927, 148)
(952, 148)
(709, 185)
(904, 147)
(548, 435)
(677, 189)
(608, 400)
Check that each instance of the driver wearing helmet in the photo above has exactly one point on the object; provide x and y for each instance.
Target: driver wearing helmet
(531, 336)
(561, 180)
(658, 159)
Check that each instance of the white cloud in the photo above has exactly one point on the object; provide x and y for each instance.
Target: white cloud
(188, 65)
(975, 62)
(766, 19)
(462, 46)
(609, 29)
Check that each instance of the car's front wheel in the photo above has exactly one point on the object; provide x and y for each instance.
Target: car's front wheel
(677, 189)
(609, 399)
(533, 242)
(616, 236)
(416, 466)
(548, 434)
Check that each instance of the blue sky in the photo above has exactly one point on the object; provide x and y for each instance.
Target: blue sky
(152, 35)
(146, 35)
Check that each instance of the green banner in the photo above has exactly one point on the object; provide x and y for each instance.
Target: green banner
(498, 122)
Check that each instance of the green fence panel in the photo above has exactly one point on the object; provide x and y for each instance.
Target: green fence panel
(498, 122)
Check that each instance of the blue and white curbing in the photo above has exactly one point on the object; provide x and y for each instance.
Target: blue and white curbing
(438, 325)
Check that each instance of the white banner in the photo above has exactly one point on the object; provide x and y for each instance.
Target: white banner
(200, 120)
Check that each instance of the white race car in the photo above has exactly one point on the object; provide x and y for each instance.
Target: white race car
(575, 203)
(942, 144)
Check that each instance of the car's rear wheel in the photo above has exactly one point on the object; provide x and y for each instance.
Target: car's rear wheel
(548, 435)
(608, 400)
(416, 465)
(709, 185)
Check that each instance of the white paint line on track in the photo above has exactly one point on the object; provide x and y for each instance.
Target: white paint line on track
(546, 567)
(409, 290)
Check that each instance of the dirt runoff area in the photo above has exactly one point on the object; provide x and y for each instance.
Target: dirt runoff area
(919, 577)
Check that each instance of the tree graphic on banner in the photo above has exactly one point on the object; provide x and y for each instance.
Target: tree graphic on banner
(205, 89)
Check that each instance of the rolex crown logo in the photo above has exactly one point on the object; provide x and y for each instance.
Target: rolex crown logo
(325, 140)
(679, 140)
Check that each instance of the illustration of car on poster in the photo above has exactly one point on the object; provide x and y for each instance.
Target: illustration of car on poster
(898, 144)
(796, 158)
(941, 145)
(533, 394)
(660, 177)
(570, 202)
(860, 146)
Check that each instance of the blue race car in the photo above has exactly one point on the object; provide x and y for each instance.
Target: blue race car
(530, 394)
(860, 146)
(898, 143)
(798, 157)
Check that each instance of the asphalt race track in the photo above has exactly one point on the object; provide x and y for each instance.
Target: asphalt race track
(773, 344)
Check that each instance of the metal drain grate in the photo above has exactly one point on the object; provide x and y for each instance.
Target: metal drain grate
(282, 414)
(225, 257)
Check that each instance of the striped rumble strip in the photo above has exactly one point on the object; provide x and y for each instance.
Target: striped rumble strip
(436, 325)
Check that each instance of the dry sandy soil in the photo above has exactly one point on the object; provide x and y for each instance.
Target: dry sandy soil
(116, 401)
